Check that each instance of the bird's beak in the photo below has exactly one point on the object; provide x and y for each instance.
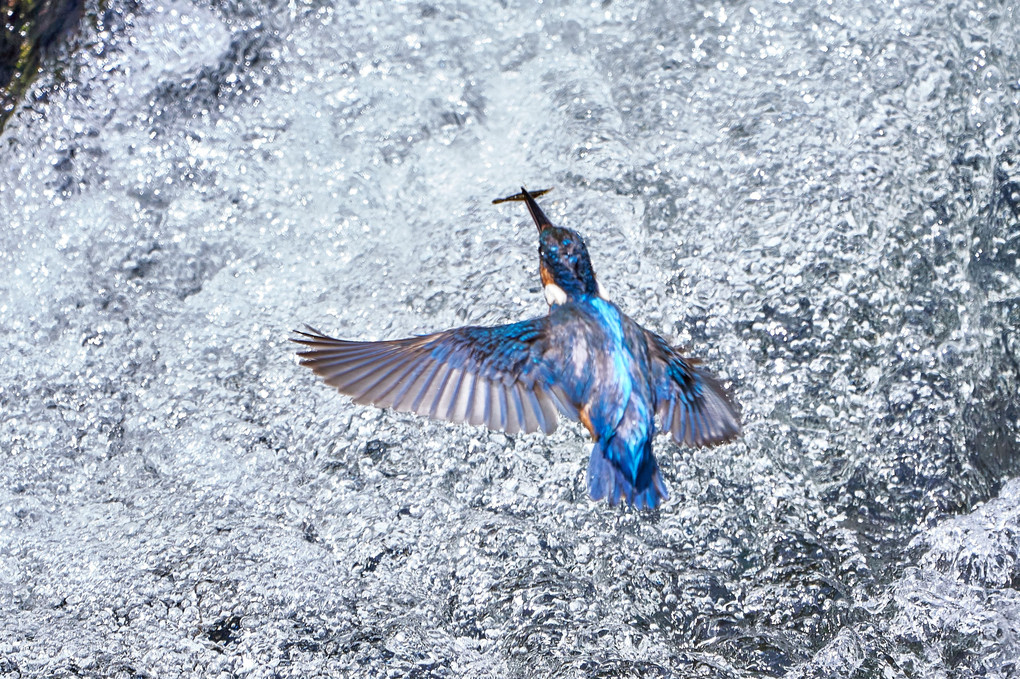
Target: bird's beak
(541, 221)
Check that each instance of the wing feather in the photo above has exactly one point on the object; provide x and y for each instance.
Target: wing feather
(549, 411)
(478, 413)
(437, 394)
(339, 366)
(492, 376)
(502, 407)
(403, 398)
(368, 381)
(515, 410)
(562, 402)
(533, 420)
(691, 404)
(384, 393)
(450, 396)
(458, 400)
(494, 408)
(422, 387)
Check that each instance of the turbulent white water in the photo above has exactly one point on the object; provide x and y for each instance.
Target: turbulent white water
(820, 201)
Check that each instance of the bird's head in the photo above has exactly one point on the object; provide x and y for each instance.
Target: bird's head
(564, 264)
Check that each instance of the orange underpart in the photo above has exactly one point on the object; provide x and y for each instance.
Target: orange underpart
(586, 421)
(546, 276)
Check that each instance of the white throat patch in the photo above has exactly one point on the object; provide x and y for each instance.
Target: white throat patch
(554, 294)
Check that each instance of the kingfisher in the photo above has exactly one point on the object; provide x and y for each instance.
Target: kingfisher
(586, 359)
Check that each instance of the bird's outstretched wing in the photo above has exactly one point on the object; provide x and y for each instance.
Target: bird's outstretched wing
(691, 404)
(492, 376)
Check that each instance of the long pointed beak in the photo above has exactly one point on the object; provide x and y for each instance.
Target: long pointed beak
(541, 221)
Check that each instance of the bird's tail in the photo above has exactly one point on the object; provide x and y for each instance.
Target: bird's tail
(606, 478)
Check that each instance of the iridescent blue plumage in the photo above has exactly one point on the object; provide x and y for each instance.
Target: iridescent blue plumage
(586, 359)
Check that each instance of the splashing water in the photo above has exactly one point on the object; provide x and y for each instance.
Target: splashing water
(820, 201)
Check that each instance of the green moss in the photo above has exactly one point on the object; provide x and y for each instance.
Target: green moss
(27, 28)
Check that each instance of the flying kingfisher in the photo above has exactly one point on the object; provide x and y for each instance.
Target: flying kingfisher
(586, 359)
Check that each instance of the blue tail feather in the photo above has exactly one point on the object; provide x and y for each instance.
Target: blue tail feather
(607, 480)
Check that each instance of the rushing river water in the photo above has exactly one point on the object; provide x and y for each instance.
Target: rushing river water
(820, 200)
